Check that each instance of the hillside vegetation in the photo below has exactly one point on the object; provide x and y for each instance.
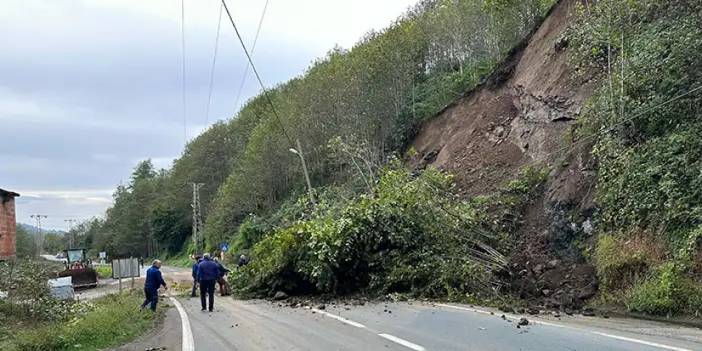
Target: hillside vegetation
(580, 144)
(353, 107)
(645, 119)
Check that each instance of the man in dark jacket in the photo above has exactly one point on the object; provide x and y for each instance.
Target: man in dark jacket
(194, 268)
(207, 276)
(154, 280)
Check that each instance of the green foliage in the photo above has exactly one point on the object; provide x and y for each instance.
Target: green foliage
(104, 272)
(109, 321)
(648, 146)
(622, 261)
(373, 95)
(670, 290)
(25, 243)
(410, 235)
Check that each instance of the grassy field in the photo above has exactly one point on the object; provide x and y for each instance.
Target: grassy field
(96, 325)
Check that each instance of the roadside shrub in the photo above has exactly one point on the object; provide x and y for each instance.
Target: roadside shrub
(622, 260)
(104, 272)
(410, 235)
(110, 321)
(668, 291)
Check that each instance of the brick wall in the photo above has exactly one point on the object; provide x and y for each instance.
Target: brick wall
(8, 229)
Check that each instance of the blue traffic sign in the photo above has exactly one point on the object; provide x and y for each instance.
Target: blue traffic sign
(224, 247)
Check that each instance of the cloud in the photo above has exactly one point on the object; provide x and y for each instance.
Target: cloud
(91, 87)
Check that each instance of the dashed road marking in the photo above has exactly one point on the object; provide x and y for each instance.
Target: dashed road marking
(188, 341)
(339, 318)
(643, 342)
(392, 338)
(402, 342)
(638, 341)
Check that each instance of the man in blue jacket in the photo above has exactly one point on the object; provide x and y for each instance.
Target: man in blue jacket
(154, 280)
(194, 267)
(207, 275)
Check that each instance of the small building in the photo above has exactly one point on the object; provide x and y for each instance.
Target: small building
(8, 225)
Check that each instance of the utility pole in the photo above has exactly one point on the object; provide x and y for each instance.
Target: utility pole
(197, 218)
(40, 235)
(71, 234)
(298, 152)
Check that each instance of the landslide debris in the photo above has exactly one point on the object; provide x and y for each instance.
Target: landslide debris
(521, 116)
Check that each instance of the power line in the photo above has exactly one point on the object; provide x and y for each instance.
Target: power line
(212, 70)
(40, 235)
(637, 115)
(182, 38)
(258, 77)
(253, 48)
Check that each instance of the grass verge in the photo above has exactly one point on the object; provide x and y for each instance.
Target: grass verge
(108, 321)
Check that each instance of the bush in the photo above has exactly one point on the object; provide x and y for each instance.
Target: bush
(667, 292)
(412, 235)
(110, 321)
(104, 272)
(622, 260)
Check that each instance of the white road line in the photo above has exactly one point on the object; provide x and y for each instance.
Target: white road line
(339, 318)
(638, 341)
(402, 342)
(392, 338)
(188, 341)
(667, 347)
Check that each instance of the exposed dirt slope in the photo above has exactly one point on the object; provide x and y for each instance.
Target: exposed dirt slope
(521, 116)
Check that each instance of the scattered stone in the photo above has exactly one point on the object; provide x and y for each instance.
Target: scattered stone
(546, 292)
(538, 268)
(506, 308)
(280, 295)
(588, 312)
(553, 263)
(523, 321)
(557, 315)
(503, 317)
(533, 311)
(321, 307)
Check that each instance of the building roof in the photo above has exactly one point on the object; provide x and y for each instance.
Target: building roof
(6, 193)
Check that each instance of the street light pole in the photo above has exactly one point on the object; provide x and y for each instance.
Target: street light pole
(298, 152)
(40, 235)
(71, 234)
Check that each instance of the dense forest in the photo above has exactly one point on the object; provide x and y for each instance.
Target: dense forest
(376, 226)
(352, 110)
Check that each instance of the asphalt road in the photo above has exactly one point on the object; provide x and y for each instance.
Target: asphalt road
(262, 325)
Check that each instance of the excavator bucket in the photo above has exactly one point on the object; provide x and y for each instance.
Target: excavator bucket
(82, 277)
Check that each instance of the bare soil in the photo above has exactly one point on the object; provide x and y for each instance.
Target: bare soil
(522, 116)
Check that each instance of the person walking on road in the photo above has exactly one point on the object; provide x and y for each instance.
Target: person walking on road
(222, 280)
(154, 280)
(196, 258)
(207, 276)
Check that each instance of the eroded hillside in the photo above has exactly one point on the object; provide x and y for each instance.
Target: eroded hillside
(520, 117)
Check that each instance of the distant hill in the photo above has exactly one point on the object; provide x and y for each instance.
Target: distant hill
(33, 229)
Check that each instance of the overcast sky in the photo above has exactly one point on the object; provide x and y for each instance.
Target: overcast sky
(90, 87)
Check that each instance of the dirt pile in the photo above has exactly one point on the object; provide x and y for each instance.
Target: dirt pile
(522, 116)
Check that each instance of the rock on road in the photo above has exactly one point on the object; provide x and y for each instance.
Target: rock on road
(262, 325)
